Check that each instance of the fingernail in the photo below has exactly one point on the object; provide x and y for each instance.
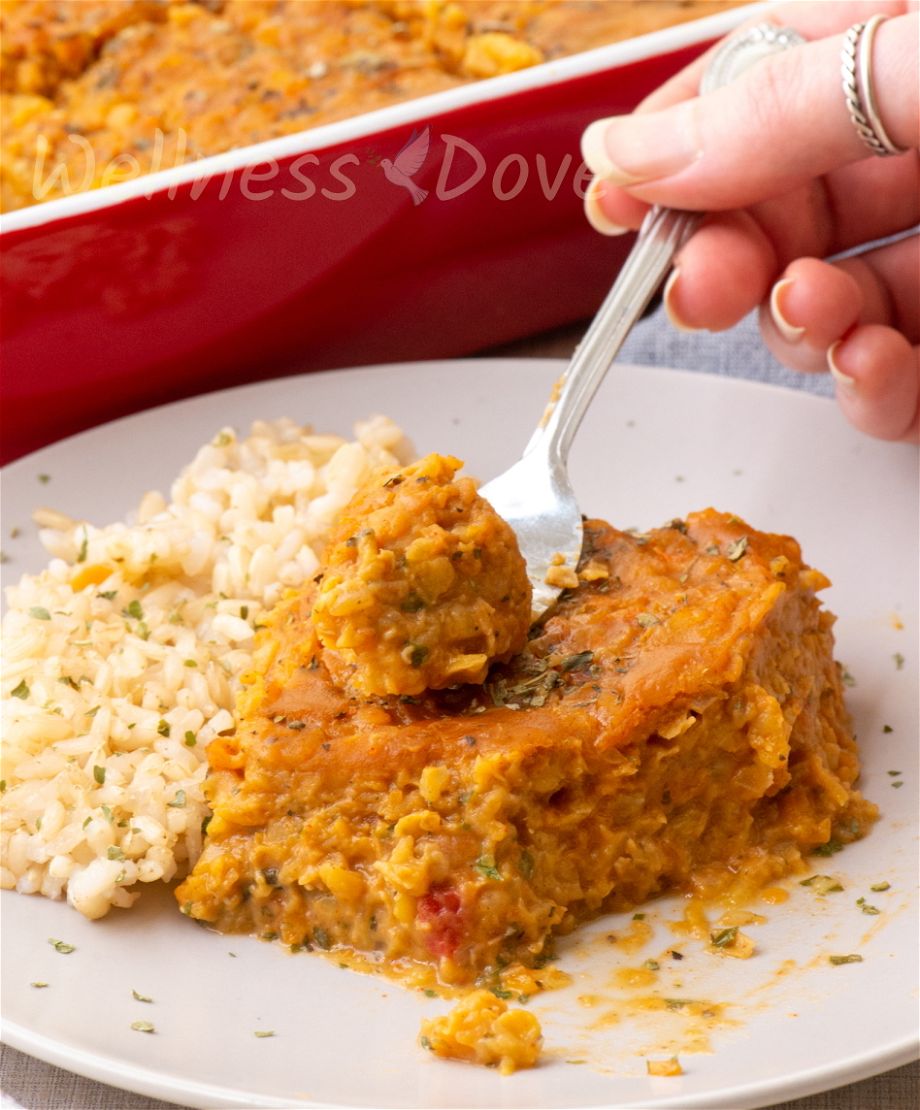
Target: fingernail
(670, 310)
(629, 149)
(843, 380)
(597, 217)
(792, 333)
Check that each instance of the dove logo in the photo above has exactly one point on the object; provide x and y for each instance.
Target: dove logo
(407, 163)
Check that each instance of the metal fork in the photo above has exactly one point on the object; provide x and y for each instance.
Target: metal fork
(535, 495)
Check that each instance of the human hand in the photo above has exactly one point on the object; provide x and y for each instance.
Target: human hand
(776, 161)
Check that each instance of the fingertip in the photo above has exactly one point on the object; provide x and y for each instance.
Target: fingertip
(595, 195)
(844, 381)
(792, 333)
(810, 307)
(670, 298)
(877, 374)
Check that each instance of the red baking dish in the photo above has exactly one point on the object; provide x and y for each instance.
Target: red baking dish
(301, 253)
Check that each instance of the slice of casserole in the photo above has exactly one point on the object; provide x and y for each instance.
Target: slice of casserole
(677, 723)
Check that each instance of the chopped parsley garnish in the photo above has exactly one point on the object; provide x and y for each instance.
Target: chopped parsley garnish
(163, 727)
(852, 958)
(412, 604)
(39, 613)
(61, 946)
(189, 663)
(866, 908)
(485, 865)
(264, 1033)
(651, 965)
(84, 548)
(878, 888)
(425, 1043)
(38, 985)
(190, 739)
(99, 774)
(898, 661)
(321, 938)
(525, 865)
(638, 917)
(822, 884)
(828, 849)
(44, 479)
(416, 654)
(114, 852)
(429, 993)
(894, 774)
(134, 610)
(138, 997)
(179, 801)
(899, 782)
(846, 678)
(143, 1027)
(108, 595)
(20, 691)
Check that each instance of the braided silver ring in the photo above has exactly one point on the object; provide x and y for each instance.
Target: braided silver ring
(856, 75)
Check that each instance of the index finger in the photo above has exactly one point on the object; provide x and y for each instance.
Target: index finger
(813, 20)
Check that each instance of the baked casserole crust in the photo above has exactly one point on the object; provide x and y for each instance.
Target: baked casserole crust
(95, 92)
(676, 724)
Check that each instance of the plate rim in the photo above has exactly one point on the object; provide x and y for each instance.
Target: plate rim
(414, 365)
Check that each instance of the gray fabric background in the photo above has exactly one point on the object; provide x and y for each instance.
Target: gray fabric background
(738, 353)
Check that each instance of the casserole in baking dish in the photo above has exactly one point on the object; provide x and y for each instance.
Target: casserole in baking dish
(300, 251)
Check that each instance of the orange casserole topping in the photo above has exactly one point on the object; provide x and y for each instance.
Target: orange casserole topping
(95, 92)
(676, 723)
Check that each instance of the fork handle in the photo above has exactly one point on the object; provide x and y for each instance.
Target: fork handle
(663, 232)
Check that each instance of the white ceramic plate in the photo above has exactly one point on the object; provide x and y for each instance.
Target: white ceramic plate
(655, 445)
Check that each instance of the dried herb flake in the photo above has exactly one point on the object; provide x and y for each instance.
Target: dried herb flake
(737, 549)
(724, 938)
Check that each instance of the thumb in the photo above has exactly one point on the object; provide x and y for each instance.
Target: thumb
(780, 125)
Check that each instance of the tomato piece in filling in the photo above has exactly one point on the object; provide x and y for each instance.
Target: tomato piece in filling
(441, 912)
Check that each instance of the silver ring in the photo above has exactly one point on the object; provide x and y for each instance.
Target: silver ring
(856, 74)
